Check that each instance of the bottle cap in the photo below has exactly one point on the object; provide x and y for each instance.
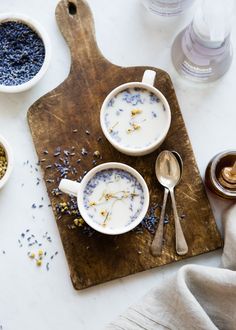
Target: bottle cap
(220, 176)
(212, 22)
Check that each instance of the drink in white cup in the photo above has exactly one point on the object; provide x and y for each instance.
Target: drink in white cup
(113, 198)
(134, 118)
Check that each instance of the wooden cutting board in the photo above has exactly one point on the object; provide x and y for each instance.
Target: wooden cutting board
(61, 118)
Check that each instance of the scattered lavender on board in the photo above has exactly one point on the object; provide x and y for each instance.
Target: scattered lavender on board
(22, 53)
(68, 207)
(150, 220)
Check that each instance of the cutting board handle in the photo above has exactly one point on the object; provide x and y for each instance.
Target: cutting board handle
(75, 21)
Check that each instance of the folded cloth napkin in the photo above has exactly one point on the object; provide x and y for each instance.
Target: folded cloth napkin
(196, 297)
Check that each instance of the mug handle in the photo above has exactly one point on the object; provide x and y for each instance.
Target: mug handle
(149, 77)
(69, 187)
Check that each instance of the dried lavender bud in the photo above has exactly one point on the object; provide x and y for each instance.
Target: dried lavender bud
(22, 53)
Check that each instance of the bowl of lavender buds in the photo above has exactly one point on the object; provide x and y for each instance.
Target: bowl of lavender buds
(25, 52)
(6, 161)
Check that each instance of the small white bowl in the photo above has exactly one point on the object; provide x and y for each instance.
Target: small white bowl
(9, 157)
(77, 189)
(146, 84)
(35, 26)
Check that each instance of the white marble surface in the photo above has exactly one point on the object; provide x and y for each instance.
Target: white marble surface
(31, 297)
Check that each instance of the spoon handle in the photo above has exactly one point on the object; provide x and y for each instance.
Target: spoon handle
(156, 246)
(181, 245)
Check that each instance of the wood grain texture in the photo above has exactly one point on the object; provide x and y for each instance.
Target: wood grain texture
(76, 104)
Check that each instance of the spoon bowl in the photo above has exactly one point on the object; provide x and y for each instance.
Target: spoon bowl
(180, 161)
(167, 169)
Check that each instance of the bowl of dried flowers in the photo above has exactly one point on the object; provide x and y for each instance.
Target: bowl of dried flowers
(6, 161)
(25, 52)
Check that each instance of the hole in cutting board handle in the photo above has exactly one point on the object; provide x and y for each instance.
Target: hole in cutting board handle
(72, 8)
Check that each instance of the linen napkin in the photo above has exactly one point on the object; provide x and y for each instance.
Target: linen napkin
(196, 297)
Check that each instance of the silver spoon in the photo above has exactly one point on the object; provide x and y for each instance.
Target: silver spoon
(156, 247)
(168, 171)
(180, 161)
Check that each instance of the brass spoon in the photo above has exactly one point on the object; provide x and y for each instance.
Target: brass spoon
(168, 171)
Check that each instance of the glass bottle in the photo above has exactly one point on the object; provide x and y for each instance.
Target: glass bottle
(167, 7)
(202, 52)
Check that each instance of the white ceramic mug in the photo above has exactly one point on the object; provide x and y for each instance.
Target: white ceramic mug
(80, 191)
(154, 129)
